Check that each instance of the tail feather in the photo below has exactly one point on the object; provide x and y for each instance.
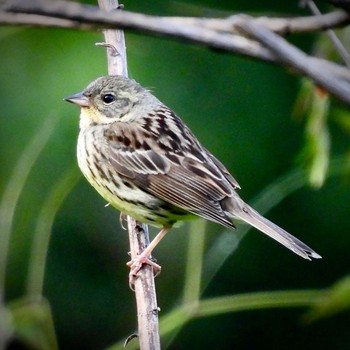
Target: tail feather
(252, 217)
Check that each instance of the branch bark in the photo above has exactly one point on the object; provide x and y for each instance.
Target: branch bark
(145, 292)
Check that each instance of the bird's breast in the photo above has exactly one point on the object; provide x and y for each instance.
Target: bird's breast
(119, 191)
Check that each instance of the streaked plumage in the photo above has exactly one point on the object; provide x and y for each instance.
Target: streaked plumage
(141, 158)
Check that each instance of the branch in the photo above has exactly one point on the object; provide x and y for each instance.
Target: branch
(214, 33)
(331, 34)
(145, 292)
(187, 29)
(223, 34)
(297, 59)
(174, 26)
(7, 18)
(146, 299)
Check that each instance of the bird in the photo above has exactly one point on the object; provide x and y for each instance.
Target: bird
(142, 159)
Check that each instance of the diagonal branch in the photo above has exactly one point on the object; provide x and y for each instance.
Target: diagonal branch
(297, 59)
(331, 34)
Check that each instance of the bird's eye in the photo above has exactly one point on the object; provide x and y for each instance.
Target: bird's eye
(108, 98)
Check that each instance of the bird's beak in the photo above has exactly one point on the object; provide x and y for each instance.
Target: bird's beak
(79, 99)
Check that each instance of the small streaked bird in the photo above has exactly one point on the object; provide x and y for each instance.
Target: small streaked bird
(143, 160)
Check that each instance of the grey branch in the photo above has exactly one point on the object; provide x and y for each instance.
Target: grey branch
(238, 34)
(297, 59)
(145, 290)
(174, 26)
(7, 18)
(331, 34)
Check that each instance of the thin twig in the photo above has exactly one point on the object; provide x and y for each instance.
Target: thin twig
(331, 34)
(146, 299)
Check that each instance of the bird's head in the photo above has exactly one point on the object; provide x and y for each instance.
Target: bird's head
(108, 99)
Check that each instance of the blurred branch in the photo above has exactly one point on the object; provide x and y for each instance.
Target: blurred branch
(144, 285)
(175, 26)
(331, 34)
(291, 56)
(7, 18)
(194, 263)
(221, 305)
(42, 232)
(8, 204)
(261, 300)
(240, 34)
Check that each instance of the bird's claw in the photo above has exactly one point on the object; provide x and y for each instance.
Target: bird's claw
(136, 265)
(130, 337)
(122, 219)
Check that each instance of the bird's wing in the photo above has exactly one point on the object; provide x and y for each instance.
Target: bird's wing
(163, 157)
(225, 172)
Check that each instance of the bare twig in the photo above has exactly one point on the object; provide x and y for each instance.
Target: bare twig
(331, 34)
(146, 300)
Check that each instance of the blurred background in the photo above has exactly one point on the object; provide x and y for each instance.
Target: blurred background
(258, 119)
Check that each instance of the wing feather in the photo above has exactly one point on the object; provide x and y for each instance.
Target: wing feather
(171, 165)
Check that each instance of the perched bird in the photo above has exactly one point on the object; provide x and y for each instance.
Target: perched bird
(143, 160)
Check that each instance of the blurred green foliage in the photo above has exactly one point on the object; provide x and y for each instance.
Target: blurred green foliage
(241, 110)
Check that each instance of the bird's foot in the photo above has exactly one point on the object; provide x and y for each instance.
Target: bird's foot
(136, 265)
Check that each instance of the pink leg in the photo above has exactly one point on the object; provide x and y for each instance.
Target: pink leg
(136, 264)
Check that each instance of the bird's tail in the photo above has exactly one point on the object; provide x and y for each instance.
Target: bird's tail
(246, 213)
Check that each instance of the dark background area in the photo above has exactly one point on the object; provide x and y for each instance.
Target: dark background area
(241, 110)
